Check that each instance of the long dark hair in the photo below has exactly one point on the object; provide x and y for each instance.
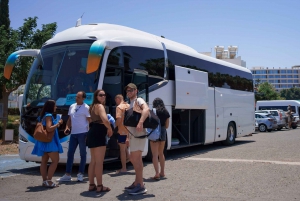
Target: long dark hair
(159, 105)
(48, 107)
(95, 100)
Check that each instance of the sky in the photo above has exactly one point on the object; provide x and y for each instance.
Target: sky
(266, 31)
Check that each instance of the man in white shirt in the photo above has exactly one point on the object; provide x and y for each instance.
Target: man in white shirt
(77, 126)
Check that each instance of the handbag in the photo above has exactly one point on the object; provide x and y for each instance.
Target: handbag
(132, 118)
(41, 134)
(154, 134)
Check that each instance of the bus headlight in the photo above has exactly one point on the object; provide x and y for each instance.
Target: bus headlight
(22, 138)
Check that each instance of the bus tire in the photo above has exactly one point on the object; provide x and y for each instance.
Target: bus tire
(231, 134)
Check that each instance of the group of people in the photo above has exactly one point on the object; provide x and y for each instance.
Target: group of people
(90, 126)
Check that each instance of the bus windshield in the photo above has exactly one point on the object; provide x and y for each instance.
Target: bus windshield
(59, 74)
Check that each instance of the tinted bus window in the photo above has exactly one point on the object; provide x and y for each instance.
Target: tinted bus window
(218, 75)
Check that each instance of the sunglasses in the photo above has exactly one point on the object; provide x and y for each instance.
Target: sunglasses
(129, 90)
(101, 95)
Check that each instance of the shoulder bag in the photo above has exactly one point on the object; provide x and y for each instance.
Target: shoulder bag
(132, 118)
(41, 134)
(154, 134)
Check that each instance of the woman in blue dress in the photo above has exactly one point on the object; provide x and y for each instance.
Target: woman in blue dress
(49, 149)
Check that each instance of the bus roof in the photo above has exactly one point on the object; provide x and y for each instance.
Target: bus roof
(131, 37)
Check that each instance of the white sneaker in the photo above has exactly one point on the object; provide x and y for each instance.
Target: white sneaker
(65, 178)
(79, 177)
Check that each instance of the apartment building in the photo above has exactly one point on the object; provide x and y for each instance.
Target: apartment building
(280, 78)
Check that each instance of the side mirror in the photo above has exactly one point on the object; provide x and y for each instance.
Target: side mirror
(95, 56)
(10, 62)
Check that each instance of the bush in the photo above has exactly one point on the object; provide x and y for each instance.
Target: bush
(11, 124)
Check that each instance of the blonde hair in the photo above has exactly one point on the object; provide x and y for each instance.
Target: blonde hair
(120, 96)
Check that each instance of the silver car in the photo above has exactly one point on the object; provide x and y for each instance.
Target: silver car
(265, 122)
(278, 114)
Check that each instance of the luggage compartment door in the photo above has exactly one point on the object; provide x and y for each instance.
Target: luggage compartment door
(191, 88)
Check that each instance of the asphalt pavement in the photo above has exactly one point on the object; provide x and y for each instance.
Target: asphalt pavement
(265, 166)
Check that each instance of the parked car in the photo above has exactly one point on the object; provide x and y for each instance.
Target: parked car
(278, 114)
(266, 122)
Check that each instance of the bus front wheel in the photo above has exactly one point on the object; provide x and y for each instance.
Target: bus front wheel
(231, 134)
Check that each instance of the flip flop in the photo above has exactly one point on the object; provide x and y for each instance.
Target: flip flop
(120, 172)
(155, 178)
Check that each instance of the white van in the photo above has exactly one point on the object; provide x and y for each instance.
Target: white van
(280, 104)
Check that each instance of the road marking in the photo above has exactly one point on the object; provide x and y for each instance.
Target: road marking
(242, 161)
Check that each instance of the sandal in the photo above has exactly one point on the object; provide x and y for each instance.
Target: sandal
(121, 172)
(92, 187)
(102, 188)
(155, 178)
(47, 185)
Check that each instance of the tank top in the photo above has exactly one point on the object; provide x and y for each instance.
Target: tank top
(95, 117)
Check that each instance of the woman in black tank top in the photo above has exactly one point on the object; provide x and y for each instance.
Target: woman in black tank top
(99, 128)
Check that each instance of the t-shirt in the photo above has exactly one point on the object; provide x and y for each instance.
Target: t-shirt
(78, 115)
(140, 102)
(120, 112)
(163, 116)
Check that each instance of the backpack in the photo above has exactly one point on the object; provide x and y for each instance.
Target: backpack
(154, 134)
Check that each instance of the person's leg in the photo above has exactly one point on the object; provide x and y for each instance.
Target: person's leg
(99, 158)
(154, 150)
(161, 157)
(127, 154)
(43, 167)
(54, 156)
(123, 157)
(73, 143)
(91, 169)
(137, 162)
(82, 148)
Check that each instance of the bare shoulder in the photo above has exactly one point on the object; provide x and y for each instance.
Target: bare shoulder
(99, 107)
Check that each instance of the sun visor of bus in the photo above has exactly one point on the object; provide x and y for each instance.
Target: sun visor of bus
(95, 55)
(191, 87)
(10, 62)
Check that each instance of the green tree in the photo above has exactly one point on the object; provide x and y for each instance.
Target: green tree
(290, 94)
(4, 14)
(266, 91)
(25, 37)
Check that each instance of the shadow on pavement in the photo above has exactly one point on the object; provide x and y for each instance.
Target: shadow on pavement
(177, 154)
(126, 196)
(37, 189)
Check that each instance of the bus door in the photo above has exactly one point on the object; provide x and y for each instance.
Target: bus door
(191, 103)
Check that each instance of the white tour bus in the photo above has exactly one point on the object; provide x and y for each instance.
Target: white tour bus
(208, 99)
(280, 104)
